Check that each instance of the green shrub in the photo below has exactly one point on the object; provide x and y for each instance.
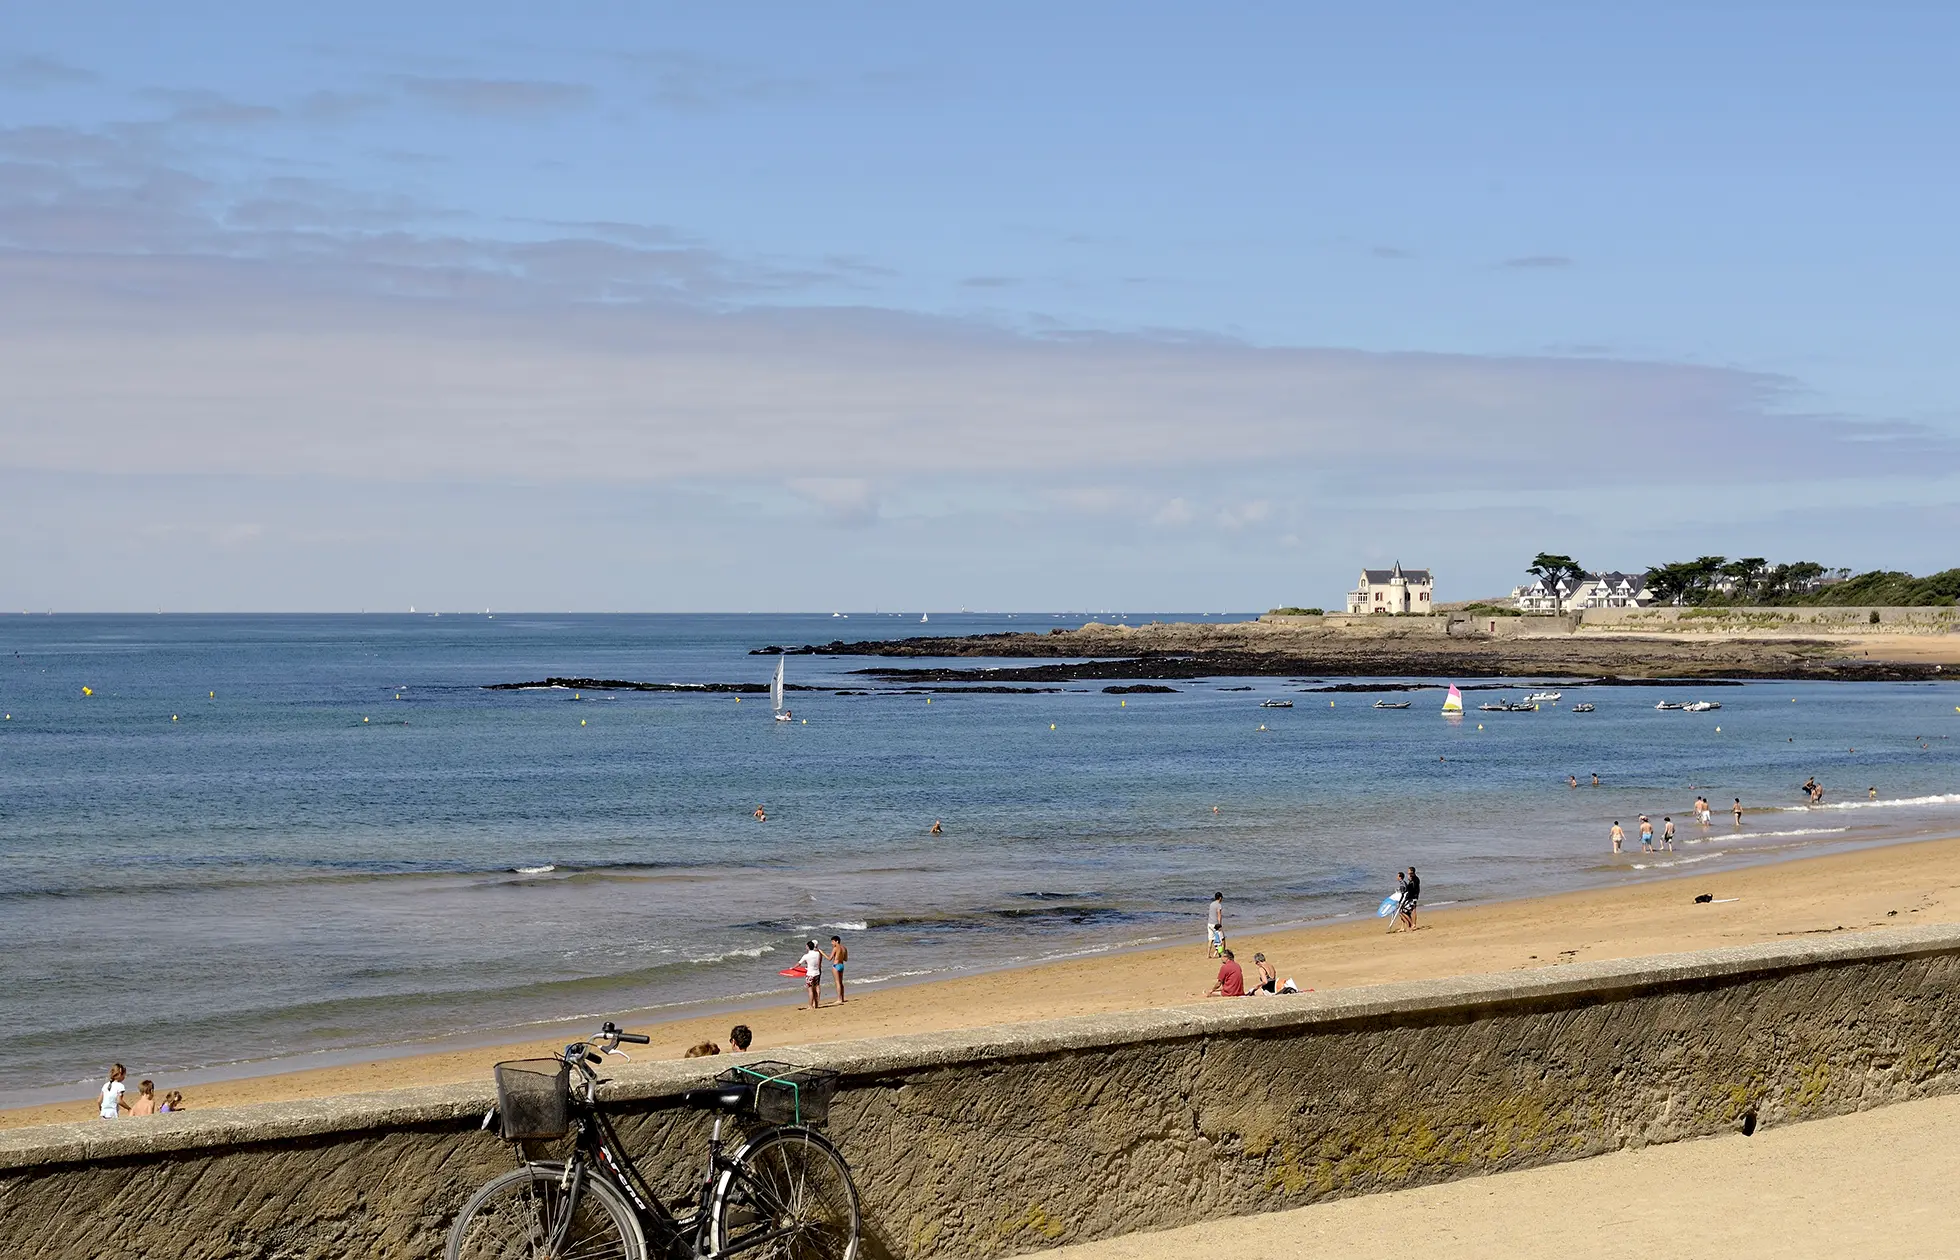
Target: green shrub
(1297, 612)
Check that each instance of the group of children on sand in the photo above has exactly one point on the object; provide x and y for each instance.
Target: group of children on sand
(115, 1099)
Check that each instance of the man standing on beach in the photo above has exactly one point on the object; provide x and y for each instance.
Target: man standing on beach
(1231, 979)
(1215, 926)
(813, 973)
(1619, 837)
(838, 957)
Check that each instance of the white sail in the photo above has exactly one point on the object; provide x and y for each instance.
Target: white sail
(1454, 704)
(776, 687)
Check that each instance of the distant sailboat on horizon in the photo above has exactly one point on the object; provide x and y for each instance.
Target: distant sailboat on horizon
(924, 617)
(776, 692)
(1453, 703)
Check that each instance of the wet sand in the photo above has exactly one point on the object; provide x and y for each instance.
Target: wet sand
(1892, 885)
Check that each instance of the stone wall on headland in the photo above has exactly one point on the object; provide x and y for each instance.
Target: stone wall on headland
(997, 1141)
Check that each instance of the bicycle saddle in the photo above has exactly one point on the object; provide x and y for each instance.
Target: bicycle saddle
(720, 1097)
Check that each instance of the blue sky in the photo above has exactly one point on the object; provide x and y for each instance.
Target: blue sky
(627, 307)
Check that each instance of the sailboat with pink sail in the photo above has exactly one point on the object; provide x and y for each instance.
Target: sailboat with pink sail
(1454, 702)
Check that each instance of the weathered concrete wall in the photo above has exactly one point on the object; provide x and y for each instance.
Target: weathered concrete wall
(1802, 620)
(996, 1141)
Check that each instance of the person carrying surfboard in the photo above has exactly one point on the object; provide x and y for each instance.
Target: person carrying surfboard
(1411, 893)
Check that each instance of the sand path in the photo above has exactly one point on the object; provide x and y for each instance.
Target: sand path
(1875, 1185)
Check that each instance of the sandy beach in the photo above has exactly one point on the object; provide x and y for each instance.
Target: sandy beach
(1893, 885)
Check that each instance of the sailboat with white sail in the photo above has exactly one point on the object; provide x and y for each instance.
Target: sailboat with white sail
(776, 693)
(1453, 703)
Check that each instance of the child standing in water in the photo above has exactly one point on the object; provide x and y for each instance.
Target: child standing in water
(838, 957)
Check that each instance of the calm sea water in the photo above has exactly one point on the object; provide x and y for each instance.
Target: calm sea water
(263, 837)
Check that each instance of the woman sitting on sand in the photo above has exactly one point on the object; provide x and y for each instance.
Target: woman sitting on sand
(1268, 981)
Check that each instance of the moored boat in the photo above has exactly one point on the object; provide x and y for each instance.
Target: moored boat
(1391, 704)
(1275, 704)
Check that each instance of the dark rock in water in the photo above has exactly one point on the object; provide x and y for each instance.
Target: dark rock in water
(1140, 689)
(621, 684)
(1233, 689)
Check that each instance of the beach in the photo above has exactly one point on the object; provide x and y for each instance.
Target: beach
(1897, 884)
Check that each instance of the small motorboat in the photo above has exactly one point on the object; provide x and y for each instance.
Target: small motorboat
(1506, 706)
(1582, 708)
(1391, 704)
(1701, 706)
(1546, 697)
(1669, 704)
(1275, 704)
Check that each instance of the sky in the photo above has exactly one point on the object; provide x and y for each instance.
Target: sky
(778, 307)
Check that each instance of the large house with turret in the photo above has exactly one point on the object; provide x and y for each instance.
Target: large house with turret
(1394, 591)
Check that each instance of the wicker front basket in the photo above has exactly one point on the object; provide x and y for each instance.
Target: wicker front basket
(534, 1099)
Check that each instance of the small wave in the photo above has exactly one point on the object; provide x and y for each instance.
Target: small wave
(1944, 798)
(546, 869)
(1686, 861)
(755, 952)
(847, 925)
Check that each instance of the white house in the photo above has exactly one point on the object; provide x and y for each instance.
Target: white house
(1395, 591)
(1594, 590)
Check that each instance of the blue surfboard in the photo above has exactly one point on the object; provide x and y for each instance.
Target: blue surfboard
(1387, 907)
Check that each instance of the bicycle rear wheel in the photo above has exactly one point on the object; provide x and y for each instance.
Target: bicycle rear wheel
(787, 1196)
(515, 1217)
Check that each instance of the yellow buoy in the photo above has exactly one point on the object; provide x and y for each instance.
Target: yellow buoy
(363, 719)
(1718, 730)
(581, 721)
(213, 695)
(805, 721)
(1480, 726)
(1051, 725)
(928, 699)
(575, 695)
(1330, 704)
(1262, 726)
(88, 691)
(738, 699)
(1122, 704)
(173, 717)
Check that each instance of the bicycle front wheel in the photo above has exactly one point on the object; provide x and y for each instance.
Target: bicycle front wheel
(786, 1196)
(517, 1216)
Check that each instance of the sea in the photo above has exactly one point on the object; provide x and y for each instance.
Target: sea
(236, 844)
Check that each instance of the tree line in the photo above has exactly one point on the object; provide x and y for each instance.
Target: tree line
(1753, 580)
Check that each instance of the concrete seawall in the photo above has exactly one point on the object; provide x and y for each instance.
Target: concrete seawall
(997, 1141)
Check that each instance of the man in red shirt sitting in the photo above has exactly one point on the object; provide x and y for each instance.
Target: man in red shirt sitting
(1231, 980)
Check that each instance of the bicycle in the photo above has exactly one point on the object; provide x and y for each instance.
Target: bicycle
(785, 1194)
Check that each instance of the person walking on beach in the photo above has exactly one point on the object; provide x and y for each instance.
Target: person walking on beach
(112, 1093)
(1215, 926)
(1646, 835)
(1619, 837)
(1411, 893)
(1738, 811)
(1667, 833)
(1701, 810)
(146, 1099)
(813, 962)
(838, 957)
(1231, 979)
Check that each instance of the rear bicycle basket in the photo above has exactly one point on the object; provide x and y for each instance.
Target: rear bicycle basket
(785, 1093)
(534, 1099)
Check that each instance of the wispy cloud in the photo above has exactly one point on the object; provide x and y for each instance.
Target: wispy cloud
(38, 73)
(1532, 262)
(495, 96)
(989, 282)
(1390, 252)
(200, 108)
